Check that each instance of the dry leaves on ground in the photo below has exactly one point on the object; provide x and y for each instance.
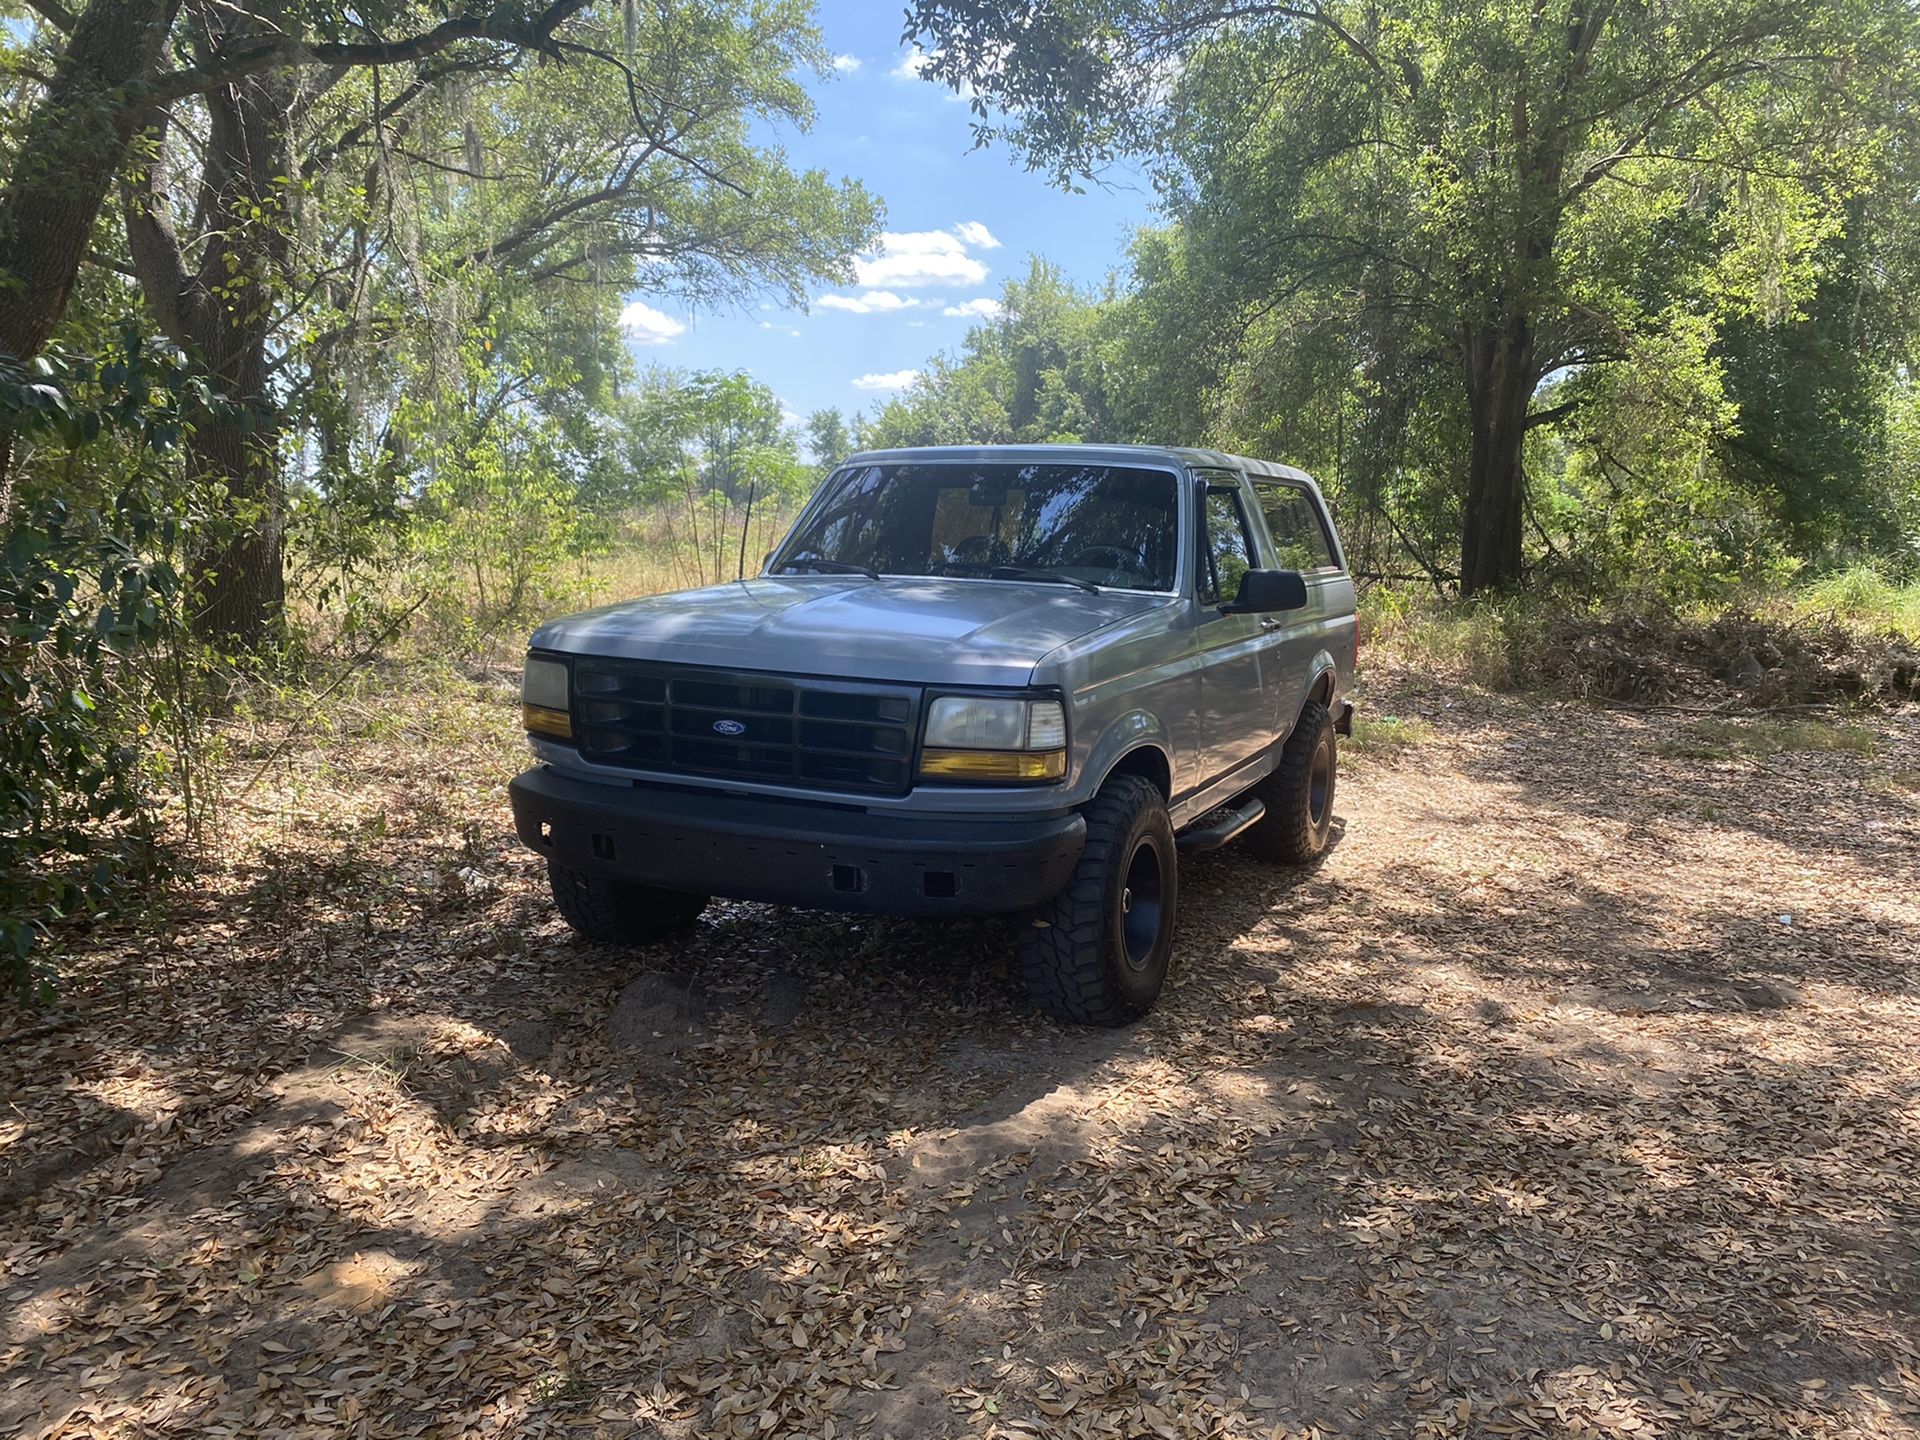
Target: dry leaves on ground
(1574, 1094)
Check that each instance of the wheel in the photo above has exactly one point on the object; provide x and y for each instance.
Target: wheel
(1299, 793)
(618, 911)
(1097, 955)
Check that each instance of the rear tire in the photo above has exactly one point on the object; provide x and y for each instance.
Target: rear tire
(1299, 793)
(1098, 953)
(619, 912)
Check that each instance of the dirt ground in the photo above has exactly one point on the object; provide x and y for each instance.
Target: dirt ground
(1576, 1092)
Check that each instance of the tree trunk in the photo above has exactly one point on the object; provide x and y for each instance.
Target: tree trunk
(221, 314)
(1500, 382)
(74, 143)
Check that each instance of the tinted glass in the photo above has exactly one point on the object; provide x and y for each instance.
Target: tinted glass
(1299, 539)
(1226, 556)
(1111, 525)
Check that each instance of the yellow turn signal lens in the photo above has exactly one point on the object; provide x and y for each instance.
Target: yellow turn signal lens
(540, 720)
(981, 765)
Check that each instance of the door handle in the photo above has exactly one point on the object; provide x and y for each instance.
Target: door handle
(1272, 623)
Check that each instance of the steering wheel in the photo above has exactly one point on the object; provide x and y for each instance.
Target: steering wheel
(1103, 557)
(973, 550)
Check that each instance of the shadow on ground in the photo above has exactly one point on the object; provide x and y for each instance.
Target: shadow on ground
(1525, 1112)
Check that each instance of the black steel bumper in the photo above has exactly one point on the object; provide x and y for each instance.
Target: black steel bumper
(818, 856)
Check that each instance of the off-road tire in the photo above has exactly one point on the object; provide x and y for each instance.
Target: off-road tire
(1294, 830)
(1075, 952)
(618, 912)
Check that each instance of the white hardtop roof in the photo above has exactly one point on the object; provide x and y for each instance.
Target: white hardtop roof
(1065, 454)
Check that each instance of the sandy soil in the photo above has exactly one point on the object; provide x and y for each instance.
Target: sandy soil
(1575, 1093)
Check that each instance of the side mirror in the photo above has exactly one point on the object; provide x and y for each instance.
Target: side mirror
(1264, 591)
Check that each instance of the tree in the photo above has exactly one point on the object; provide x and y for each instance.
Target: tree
(1522, 189)
(110, 75)
(828, 438)
(1036, 372)
(448, 182)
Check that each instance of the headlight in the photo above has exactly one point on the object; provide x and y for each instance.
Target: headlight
(993, 739)
(543, 698)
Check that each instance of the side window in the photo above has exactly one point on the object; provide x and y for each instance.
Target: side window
(1299, 539)
(1226, 550)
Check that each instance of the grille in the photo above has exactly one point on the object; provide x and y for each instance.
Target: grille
(814, 734)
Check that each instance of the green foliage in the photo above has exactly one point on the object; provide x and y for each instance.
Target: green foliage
(712, 454)
(1038, 373)
(828, 439)
(1397, 229)
(97, 670)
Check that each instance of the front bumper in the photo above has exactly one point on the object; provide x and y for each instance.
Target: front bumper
(824, 856)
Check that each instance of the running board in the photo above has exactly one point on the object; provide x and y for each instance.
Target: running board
(1232, 822)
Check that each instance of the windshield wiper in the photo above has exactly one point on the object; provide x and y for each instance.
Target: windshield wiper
(1026, 572)
(830, 567)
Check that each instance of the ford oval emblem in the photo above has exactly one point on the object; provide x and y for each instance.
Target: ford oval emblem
(728, 727)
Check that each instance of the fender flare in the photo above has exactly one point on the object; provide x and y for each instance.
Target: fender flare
(1133, 732)
(1319, 669)
(1322, 666)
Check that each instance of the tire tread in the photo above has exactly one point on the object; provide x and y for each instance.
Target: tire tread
(1065, 959)
(616, 912)
(1286, 833)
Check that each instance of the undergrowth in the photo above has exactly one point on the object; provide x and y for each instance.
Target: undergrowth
(1850, 637)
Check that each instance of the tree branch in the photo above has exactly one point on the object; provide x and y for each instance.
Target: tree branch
(159, 263)
(55, 14)
(504, 26)
(1552, 413)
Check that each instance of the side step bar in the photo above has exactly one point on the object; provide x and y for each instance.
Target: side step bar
(1228, 824)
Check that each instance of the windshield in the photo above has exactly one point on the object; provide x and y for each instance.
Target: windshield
(1108, 525)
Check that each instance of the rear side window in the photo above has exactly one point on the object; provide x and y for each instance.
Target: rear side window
(1226, 549)
(1300, 540)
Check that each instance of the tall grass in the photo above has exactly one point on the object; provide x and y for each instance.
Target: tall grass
(674, 549)
(1508, 642)
(1861, 597)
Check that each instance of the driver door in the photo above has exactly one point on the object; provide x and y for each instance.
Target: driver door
(1239, 702)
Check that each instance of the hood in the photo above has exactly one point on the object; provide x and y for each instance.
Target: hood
(906, 628)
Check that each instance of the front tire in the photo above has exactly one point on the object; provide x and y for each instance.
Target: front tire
(1299, 793)
(1098, 954)
(619, 912)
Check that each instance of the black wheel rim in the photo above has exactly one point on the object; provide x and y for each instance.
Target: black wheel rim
(1320, 787)
(1142, 904)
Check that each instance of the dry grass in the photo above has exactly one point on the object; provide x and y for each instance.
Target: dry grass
(1737, 739)
(1848, 640)
(1573, 1094)
(1379, 736)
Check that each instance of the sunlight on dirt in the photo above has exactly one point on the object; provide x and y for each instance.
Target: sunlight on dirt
(1574, 1093)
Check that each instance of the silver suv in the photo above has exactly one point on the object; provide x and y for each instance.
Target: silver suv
(1009, 680)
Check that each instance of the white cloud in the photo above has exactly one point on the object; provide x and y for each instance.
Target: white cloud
(979, 309)
(913, 66)
(972, 232)
(846, 64)
(919, 257)
(872, 302)
(645, 325)
(897, 380)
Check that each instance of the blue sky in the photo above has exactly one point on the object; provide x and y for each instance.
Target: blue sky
(959, 223)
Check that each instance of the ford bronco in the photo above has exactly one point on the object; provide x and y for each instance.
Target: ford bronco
(970, 681)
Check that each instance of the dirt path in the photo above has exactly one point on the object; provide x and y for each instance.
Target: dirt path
(1575, 1093)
